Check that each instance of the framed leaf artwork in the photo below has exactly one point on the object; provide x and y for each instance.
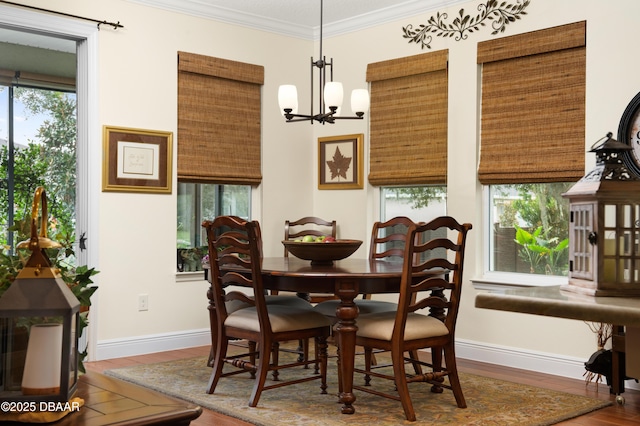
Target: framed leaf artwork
(340, 163)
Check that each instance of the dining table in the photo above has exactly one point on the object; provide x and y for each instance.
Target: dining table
(346, 279)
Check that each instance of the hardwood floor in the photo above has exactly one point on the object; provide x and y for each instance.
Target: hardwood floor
(627, 414)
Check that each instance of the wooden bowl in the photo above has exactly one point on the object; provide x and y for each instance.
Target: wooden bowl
(322, 253)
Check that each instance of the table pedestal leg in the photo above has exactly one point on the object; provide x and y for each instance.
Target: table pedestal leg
(346, 329)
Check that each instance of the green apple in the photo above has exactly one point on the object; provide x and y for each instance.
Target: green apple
(308, 239)
(320, 238)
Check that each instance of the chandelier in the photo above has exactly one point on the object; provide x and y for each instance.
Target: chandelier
(331, 94)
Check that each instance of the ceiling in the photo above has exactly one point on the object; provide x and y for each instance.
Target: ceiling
(295, 18)
(301, 18)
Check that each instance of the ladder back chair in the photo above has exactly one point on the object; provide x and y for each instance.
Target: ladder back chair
(234, 253)
(310, 225)
(426, 315)
(387, 243)
(295, 229)
(234, 305)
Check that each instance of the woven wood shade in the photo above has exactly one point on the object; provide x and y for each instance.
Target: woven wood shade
(218, 120)
(533, 106)
(408, 120)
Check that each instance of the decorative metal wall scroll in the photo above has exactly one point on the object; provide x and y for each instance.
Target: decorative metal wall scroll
(500, 14)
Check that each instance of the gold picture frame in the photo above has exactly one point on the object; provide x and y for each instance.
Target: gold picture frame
(340, 164)
(136, 160)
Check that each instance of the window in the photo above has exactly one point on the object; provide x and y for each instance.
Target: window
(418, 203)
(532, 147)
(529, 228)
(219, 151)
(198, 202)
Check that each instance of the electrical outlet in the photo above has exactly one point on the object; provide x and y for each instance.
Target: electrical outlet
(143, 302)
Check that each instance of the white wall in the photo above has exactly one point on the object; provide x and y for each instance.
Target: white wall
(137, 88)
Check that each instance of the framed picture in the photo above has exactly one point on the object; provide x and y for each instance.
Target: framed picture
(340, 163)
(136, 160)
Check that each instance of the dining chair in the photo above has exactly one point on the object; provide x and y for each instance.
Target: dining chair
(234, 305)
(425, 317)
(234, 252)
(317, 227)
(386, 243)
(297, 229)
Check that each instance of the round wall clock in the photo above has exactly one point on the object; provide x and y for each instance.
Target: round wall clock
(629, 133)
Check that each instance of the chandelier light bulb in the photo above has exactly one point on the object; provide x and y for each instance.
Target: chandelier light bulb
(333, 94)
(359, 101)
(288, 98)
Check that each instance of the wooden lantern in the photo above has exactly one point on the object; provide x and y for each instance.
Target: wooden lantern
(604, 229)
(41, 305)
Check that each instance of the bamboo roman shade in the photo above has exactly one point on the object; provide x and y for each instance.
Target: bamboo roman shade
(533, 106)
(408, 120)
(218, 120)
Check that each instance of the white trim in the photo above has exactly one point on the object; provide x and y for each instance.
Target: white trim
(505, 280)
(541, 362)
(245, 18)
(89, 136)
(140, 345)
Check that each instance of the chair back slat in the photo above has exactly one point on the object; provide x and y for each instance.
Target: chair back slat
(388, 238)
(435, 263)
(430, 302)
(431, 283)
(309, 225)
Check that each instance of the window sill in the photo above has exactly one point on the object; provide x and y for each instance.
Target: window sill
(501, 281)
(189, 276)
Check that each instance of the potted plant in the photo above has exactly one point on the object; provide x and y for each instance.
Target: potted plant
(77, 278)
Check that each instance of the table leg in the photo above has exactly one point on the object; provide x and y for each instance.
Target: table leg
(618, 370)
(347, 312)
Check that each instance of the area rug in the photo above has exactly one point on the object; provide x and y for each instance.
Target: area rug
(489, 401)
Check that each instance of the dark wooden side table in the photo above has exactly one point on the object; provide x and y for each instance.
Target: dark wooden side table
(108, 401)
(552, 301)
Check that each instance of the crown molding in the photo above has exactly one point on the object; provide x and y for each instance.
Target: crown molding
(235, 17)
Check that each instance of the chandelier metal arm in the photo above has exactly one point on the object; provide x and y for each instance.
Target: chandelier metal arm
(327, 117)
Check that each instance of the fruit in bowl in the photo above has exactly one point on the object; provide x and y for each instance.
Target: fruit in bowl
(324, 251)
(314, 239)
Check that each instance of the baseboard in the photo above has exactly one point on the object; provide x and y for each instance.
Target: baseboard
(140, 345)
(547, 363)
(541, 362)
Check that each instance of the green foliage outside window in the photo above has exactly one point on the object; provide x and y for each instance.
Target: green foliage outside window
(541, 209)
(49, 160)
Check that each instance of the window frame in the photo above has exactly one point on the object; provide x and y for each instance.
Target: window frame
(491, 280)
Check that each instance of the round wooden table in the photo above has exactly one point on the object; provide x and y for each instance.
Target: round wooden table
(346, 279)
